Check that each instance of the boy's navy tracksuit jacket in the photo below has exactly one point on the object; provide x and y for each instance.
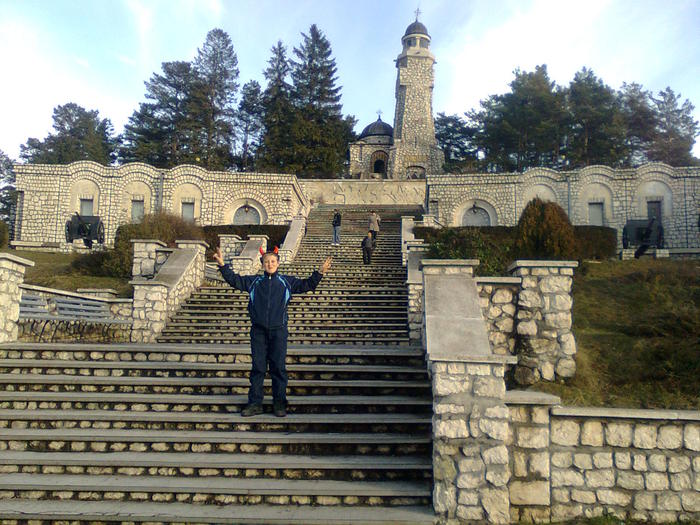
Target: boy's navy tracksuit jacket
(269, 295)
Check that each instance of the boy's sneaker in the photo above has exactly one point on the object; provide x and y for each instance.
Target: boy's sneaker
(252, 410)
(280, 409)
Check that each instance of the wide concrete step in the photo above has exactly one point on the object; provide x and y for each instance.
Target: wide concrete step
(27, 509)
(412, 423)
(236, 490)
(214, 402)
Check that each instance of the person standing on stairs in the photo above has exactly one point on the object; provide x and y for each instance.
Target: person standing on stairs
(269, 295)
(368, 244)
(374, 220)
(336, 228)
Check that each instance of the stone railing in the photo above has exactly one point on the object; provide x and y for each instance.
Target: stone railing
(248, 262)
(414, 283)
(149, 256)
(292, 240)
(498, 297)
(546, 346)
(156, 299)
(634, 464)
(12, 270)
(231, 246)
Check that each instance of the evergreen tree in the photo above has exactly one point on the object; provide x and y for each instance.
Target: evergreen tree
(523, 128)
(455, 138)
(80, 134)
(249, 121)
(676, 130)
(7, 187)
(597, 134)
(276, 150)
(162, 132)
(640, 122)
(320, 134)
(214, 93)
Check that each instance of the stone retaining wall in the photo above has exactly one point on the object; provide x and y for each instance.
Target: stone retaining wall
(498, 298)
(11, 277)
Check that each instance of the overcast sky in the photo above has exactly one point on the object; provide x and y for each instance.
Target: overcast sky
(98, 53)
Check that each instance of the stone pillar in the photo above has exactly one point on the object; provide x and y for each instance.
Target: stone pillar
(150, 310)
(12, 270)
(414, 282)
(229, 245)
(470, 428)
(293, 239)
(407, 224)
(545, 346)
(248, 262)
(201, 248)
(144, 264)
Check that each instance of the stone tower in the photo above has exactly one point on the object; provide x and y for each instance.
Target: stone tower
(414, 152)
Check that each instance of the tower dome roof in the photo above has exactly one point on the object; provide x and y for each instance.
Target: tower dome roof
(379, 127)
(416, 28)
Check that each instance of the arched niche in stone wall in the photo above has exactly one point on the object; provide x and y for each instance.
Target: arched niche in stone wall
(591, 199)
(542, 191)
(415, 172)
(475, 212)
(650, 192)
(245, 211)
(136, 191)
(84, 190)
(378, 163)
(186, 200)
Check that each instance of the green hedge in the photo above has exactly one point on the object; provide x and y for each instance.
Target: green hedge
(4, 234)
(494, 245)
(275, 232)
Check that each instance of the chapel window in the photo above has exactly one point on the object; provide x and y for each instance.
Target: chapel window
(86, 206)
(188, 211)
(596, 215)
(137, 210)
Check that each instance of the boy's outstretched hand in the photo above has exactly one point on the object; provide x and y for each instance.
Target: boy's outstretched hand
(326, 265)
(218, 258)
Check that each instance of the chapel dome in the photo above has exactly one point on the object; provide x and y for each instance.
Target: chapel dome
(378, 128)
(416, 28)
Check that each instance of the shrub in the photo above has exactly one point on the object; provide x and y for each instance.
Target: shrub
(544, 232)
(595, 242)
(491, 245)
(117, 262)
(4, 234)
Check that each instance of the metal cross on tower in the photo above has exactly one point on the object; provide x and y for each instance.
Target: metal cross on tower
(417, 11)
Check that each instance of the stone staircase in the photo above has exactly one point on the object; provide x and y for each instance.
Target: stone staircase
(152, 433)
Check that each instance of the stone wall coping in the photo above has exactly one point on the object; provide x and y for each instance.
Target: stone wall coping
(259, 236)
(230, 236)
(147, 282)
(28, 244)
(525, 263)
(17, 260)
(407, 217)
(676, 251)
(198, 242)
(450, 262)
(56, 291)
(498, 280)
(156, 241)
(174, 268)
(476, 359)
(529, 397)
(106, 290)
(627, 413)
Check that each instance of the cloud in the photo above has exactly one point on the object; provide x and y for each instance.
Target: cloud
(125, 59)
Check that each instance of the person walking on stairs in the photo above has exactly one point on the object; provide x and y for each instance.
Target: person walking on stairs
(336, 228)
(374, 220)
(368, 244)
(269, 295)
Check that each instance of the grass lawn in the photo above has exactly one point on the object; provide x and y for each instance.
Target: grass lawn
(54, 270)
(637, 326)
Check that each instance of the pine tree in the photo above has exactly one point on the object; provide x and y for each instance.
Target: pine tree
(455, 137)
(214, 93)
(597, 134)
(320, 135)
(276, 147)
(162, 132)
(7, 187)
(640, 122)
(249, 120)
(676, 130)
(80, 134)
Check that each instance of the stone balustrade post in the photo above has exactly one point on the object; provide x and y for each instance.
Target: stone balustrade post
(144, 250)
(248, 261)
(407, 225)
(470, 418)
(149, 310)
(12, 270)
(545, 345)
(229, 245)
(201, 259)
(414, 281)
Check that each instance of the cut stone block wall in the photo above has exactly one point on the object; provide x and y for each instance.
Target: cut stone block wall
(11, 277)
